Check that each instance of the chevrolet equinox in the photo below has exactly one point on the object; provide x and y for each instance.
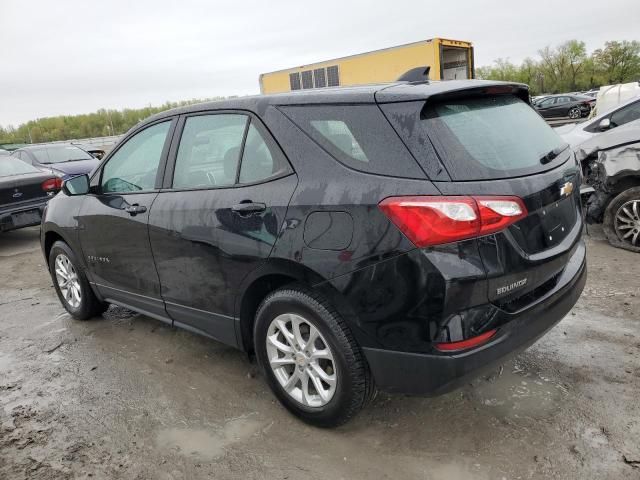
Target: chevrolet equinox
(399, 237)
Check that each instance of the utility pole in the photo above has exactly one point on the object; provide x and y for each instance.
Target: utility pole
(113, 132)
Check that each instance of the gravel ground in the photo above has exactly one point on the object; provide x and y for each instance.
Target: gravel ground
(127, 397)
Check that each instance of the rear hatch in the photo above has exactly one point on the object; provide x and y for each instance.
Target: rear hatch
(490, 142)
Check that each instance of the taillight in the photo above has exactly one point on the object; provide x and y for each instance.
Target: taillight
(466, 344)
(52, 185)
(430, 221)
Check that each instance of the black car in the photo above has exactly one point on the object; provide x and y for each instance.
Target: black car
(572, 106)
(397, 237)
(63, 160)
(24, 192)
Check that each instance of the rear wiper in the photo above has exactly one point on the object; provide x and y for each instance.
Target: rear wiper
(553, 154)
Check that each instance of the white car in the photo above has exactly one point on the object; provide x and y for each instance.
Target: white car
(577, 133)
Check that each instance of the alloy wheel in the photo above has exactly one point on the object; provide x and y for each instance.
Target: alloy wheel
(627, 222)
(68, 281)
(574, 113)
(301, 360)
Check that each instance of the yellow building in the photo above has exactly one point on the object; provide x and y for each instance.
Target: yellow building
(448, 59)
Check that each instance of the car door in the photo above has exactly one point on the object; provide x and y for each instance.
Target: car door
(113, 220)
(545, 107)
(560, 107)
(228, 186)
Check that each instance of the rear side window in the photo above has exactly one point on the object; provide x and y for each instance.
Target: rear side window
(261, 158)
(212, 153)
(487, 137)
(209, 151)
(358, 136)
(626, 114)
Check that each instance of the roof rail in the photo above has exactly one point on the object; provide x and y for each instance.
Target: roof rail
(418, 74)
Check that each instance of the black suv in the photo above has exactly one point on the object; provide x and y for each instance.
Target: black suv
(398, 237)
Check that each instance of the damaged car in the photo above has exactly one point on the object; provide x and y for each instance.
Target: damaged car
(611, 168)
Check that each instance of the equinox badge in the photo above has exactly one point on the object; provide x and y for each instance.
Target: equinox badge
(512, 286)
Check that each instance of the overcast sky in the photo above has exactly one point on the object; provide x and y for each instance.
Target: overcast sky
(67, 57)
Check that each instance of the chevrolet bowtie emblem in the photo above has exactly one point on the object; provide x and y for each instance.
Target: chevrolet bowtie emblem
(566, 189)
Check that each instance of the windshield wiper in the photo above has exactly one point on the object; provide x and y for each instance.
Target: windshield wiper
(553, 154)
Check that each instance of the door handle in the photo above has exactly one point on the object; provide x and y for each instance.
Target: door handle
(135, 209)
(247, 208)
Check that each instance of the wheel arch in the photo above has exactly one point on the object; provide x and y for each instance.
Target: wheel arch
(274, 274)
(51, 237)
(624, 182)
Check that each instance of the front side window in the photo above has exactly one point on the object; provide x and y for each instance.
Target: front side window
(209, 151)
(547, 103)
(134, 166)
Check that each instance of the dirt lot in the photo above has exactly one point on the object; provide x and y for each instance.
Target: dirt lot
(126, 397)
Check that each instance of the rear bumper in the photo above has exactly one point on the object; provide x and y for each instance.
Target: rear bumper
(434, 374)
(6, 215)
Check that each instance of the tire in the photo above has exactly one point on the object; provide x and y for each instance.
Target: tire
(85, 304)
(353, 384)
(622, 216)
(574, 113)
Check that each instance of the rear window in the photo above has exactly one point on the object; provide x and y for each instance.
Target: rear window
(487, 137)
(59, 154)
(358, 136)
(12, 166)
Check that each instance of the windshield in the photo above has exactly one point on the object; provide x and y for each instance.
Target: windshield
(491, 137)
(59, 154)
(12, 166)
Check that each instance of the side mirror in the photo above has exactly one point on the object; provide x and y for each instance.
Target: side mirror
(76, 185)
(605, 124)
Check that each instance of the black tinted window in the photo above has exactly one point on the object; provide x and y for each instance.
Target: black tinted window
(209, 151)
(358, 136)
(261, 158)
(483, 137)
(547, 102)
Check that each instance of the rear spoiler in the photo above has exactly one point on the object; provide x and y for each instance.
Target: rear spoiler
(449, 89)
(518, 90)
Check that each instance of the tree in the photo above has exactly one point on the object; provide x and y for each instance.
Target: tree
(619, 61)
(568, 67)
(576, 54)
(97, 124)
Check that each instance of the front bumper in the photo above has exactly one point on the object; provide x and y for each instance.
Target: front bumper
(8, 219)
(434, 374)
